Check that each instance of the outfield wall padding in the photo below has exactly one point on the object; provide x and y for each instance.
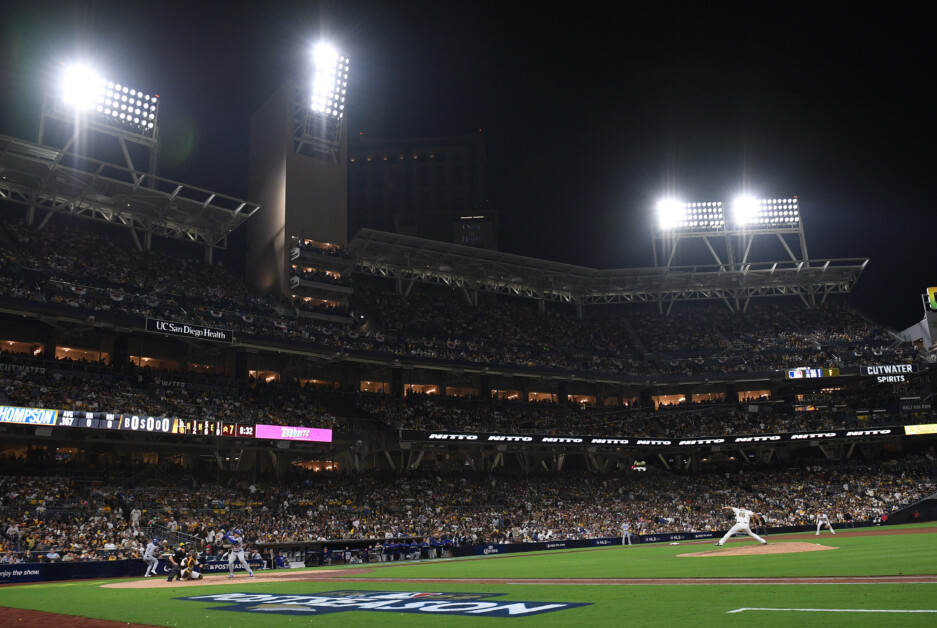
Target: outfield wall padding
(40, 572)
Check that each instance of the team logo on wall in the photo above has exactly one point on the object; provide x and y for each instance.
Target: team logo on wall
(462, 604)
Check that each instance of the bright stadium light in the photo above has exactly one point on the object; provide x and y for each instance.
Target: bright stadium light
(112, 103)
(705, 216)
(745, 210)
(677, 215)
(766, 213)
(329, 81)
(82, 87)
(670, 213)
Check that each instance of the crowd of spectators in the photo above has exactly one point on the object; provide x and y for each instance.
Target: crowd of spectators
(55, 517)
(147, 392)
(80, 270)
(40, 384)
(59, 514)
(307, 307)
(329, 250)
(681, 421)
(321, 276)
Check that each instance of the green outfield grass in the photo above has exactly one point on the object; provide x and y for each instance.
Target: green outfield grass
(607, 604)
(867, 556)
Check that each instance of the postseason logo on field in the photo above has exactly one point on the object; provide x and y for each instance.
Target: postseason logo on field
(461, 604)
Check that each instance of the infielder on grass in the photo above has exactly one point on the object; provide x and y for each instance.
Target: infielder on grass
(824, 520)
(742, 519)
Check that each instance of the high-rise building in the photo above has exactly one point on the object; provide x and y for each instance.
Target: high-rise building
(434, 188)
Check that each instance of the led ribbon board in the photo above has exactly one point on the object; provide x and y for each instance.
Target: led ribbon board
(286, 432)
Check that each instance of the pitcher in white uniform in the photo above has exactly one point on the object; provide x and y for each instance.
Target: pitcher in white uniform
(742, 519)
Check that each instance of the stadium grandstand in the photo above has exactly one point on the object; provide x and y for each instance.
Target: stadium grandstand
(387, 387)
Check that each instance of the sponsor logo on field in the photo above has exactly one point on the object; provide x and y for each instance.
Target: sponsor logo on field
(461, 604)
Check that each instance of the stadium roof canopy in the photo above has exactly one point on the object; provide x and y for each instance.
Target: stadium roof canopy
(415, 259)
(57, 181)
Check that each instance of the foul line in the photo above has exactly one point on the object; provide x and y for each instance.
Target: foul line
(834, 610)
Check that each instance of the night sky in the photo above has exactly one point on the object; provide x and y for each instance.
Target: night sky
(591, 111)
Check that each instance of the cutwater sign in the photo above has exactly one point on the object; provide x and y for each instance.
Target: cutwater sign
(461, 604)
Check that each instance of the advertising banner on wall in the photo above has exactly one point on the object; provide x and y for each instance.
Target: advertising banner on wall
(187, 330)
(286, 432)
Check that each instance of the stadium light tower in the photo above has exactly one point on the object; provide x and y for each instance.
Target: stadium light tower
(85, 101)
(673, 215)
(727, 233)
(299, 168)
(751, 213)
(78, 169)
(319, 120)
(736, 230)
(329, 81)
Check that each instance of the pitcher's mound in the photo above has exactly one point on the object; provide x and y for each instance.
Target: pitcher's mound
(759, 549)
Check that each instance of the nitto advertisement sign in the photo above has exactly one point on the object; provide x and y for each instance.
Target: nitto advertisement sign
(459, 604)
(483, 438)
(199, 332)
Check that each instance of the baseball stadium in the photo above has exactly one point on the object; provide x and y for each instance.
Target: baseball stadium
(258, 411)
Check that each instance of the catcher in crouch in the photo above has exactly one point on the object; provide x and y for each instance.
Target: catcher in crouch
(191, 568)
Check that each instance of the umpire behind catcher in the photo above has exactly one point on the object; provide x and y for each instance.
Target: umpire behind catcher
(177, 561)
(761, 525)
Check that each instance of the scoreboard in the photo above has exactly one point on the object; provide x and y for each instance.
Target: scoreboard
(811, 373)
(160, 425)
(92, 420)
(150, 424)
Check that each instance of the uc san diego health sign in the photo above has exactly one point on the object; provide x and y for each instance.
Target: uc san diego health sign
(199, 332)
